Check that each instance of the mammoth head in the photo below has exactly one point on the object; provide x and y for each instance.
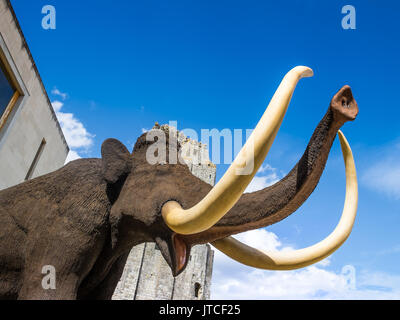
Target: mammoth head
(165, 203)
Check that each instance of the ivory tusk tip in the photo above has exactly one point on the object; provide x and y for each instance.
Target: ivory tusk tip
(344, 144)
(229, 189)
(343, 140)
(303, 71)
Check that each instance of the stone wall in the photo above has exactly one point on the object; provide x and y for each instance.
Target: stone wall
(147, 276)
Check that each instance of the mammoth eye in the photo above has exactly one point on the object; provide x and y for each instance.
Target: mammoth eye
(344, 104)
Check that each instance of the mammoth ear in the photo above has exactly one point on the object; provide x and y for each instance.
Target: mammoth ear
(116, 160)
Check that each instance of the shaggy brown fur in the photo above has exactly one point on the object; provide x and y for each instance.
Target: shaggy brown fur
(84, 218)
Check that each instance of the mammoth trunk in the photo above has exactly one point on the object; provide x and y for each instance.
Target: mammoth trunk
(272, 204)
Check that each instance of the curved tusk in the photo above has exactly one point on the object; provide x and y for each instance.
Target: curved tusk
(235, 180)
(303, 257)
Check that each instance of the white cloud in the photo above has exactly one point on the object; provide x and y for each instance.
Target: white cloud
(263, 240)
(72, 155)
(383, 172)
(266, 167)
(390, 250)
(266, 176)
(384, 177)
(57, 105)
(232, 280)
(57, 92)
(75, 133)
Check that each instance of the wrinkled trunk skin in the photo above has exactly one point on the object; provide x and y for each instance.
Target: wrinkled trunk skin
(272, 204)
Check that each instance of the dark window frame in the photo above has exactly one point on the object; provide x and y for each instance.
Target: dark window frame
(15, 97)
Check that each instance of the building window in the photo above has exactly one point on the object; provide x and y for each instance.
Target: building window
(8, 94)
(35, 160)
(197, 288)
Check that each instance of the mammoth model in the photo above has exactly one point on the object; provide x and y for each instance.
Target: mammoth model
(84, 218)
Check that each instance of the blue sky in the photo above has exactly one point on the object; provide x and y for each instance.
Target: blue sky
(113, 69)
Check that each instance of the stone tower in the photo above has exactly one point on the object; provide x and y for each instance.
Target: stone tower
(146, 275)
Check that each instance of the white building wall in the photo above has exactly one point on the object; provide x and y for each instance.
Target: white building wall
(32, 118)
